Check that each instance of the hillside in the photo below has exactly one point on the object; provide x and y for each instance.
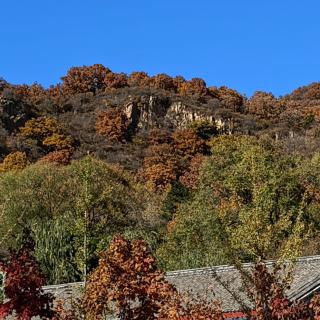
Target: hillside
(204, 175)
(148, 102)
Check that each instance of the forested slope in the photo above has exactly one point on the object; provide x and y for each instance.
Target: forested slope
(203, 174)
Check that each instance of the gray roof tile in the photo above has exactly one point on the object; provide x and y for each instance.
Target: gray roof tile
(221, 282)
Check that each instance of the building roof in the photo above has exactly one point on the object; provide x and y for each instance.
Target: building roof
(224, 283)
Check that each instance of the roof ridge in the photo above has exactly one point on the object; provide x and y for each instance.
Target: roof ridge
(223, 268)
(213, 269)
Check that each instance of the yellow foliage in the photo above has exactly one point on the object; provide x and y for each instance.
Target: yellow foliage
(58, 142)
(14, 161)
(40, 128)
(47, 132)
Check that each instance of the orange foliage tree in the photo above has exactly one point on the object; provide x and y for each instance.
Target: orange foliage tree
(115, 80)
(188, 143)
(127, 280)
(112, 123)
(62, 157)
(190, 178)
(196, 87)
(138, 79)
(48, 134)
(128, 284)
(178, 82)
(161, 165)
(264, 105)
(39, 128)
(33, 94)
(310, 92)
(162, 81)
(58, 142)
(55, 94)
(159, 136)
(230, 98)
(84, 79)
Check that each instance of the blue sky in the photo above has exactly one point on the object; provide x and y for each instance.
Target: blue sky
(247, 45)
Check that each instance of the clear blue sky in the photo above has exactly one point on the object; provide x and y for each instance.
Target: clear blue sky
(270, 45)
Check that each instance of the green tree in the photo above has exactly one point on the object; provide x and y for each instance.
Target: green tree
(250, 203)
(60, 205)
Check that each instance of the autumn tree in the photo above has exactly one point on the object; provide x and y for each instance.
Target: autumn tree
(14, 161)
(115, 80)
(40, 128)
(112, 123)
(161, 165)
(264, 105)
(138, 79)
(58, 142)
(162, 81)
(310, 92)
(159, 136)
(60, 157)
(229, 98)
(190, 178)
(55, 93)
(84, 79)
(188, 143)
(47, 133)
(178, 83)
(127, 282)
(23, 288)
(33, 94)
(195, 87)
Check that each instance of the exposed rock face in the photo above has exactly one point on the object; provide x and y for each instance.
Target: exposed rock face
(180, 115)
(146, 112)
(156, 112)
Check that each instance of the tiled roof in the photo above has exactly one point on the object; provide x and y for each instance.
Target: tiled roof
(224, 283)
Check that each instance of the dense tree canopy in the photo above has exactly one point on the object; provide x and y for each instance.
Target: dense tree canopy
(204, 175)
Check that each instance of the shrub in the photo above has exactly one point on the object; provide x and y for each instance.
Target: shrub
(40, 128)
(159, 136)
(23, 288)
(112, 123)
(14, 161)
(62, 157)
(58, 142)
(204, 129)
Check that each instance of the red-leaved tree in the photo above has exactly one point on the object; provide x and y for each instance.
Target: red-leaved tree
(23, 283)
(128, 281)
